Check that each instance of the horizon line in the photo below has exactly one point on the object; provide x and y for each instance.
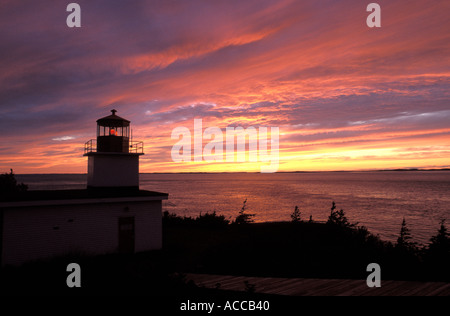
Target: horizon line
(256, 172)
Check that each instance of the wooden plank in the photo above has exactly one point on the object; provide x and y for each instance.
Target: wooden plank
(442, 290)
(321, 287)
(338, 287)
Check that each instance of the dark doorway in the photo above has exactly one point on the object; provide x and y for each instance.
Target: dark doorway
(126, 234)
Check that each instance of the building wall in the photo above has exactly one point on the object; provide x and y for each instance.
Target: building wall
(110, 170)
(38, 232)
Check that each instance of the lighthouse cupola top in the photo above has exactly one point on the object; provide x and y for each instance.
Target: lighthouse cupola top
(113, 136)
(112, 121)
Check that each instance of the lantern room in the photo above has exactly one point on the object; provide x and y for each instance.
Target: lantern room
(113, 134)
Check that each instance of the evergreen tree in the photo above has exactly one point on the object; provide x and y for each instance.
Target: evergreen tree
(437, 255)
(440, 244)
(338, 218)
(404, 240)
(296, 215)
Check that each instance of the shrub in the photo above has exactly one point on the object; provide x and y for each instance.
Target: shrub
(8, 184)
(174, 219)
(203, 220)
(244, 218)
(211, 219)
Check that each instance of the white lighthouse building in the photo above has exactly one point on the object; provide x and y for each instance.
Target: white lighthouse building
(112, 215)
(113, 160)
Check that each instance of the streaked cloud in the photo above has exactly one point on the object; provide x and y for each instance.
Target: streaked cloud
(344, 96)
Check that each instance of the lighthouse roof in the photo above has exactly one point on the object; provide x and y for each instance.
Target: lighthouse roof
(113, 120)
(82, 194)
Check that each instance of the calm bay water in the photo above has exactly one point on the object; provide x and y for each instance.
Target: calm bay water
(377, 200)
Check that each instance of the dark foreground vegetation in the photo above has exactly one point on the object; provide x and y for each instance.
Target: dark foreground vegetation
(336, 249)
(212, 244)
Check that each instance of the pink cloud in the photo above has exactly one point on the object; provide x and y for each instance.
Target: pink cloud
(310, 67)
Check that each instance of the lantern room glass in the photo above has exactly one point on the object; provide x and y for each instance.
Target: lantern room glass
(122, 131)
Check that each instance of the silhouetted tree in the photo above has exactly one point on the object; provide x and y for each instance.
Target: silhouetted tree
(440, 244)
(437, 254)
(338, 218)
(244, 218)
(296, 215)
(404, 240)
(8, 184)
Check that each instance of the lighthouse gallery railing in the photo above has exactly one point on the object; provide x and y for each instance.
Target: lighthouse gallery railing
(136, 147)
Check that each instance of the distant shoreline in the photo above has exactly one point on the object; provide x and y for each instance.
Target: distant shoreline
(280, 172)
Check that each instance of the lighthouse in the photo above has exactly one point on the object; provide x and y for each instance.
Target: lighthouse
(113, 159)
(112, 215)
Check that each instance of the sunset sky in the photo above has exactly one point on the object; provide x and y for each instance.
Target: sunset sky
(344, 96)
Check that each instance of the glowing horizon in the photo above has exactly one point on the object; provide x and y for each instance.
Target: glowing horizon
(344, 96)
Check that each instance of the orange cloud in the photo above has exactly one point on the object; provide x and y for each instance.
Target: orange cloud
(344, 96)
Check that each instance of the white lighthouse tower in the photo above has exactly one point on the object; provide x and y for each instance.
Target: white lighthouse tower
(113, 160)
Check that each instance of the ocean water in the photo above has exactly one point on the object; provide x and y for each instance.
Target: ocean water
(377, 200)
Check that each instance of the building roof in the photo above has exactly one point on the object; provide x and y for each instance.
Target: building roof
(84, 194)
(113, 120)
